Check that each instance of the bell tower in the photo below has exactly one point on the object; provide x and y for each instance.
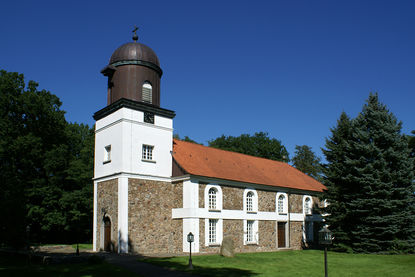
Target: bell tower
(133, 139)
(134, 73)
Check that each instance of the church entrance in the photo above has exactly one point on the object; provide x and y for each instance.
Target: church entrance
(281, 234)
(107, 234)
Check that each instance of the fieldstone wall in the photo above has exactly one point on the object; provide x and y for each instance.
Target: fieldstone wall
(151, 228)
(232, 198)
(267, 230)
(296, 203)
(107, 205)
(266, 201)
(296, 235)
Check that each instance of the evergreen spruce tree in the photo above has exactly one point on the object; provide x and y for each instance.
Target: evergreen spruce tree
(337, 194)
(374, 178)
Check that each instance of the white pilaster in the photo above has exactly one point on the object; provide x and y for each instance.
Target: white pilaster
(191, 201)
(122, 215)
(191, 225)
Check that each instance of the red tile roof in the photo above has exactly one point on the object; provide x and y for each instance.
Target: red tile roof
(205, 161)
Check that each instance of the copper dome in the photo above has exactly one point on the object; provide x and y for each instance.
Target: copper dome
(134, 51)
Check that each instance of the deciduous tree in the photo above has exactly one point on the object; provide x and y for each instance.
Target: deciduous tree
(259, 145)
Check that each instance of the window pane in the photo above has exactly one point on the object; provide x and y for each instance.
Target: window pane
(212, 230)
(281, 204)
(250, 231)
(147, 152)
(212, 198)
(249, 201)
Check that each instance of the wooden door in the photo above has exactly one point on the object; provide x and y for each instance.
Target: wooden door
(107, 234)
(281, 234)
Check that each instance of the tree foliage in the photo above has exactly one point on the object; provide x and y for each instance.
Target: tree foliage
(369, 179)
(186, 138)
(259, 145)
(46, 166)
(306, 161)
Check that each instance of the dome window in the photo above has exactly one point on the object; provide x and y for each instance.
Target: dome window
(147, 93)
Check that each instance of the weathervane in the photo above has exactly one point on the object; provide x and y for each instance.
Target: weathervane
(135, 37)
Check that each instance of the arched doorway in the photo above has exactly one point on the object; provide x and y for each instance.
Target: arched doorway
(107, 234)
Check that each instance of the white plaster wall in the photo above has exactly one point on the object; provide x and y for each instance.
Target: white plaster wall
(191, 225)
(234, 214)
(126, 132)
(190, 194)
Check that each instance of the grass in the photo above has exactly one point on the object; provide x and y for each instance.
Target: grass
(16, 266)
(294, 263)
(86, 246)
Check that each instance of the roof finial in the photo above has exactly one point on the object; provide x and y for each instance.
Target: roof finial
(135, 37)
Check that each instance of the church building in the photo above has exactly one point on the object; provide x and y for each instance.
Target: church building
(151, 191)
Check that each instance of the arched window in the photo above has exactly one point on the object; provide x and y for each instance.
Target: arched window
(250, 201)
(307, 205)
(212, 199)
(281, 204)
(147, 93)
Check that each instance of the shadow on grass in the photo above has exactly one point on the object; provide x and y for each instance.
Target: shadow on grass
(15, 265)
(200, 270)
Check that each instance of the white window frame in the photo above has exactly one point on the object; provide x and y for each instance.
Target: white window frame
(255, 235)
(309, 210)
(284, 204)
(107, 153)
(219, 232)
(218, 197)
(146, 155)
(254, 201)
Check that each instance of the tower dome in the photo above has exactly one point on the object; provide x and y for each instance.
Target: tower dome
(134, 73)
(134, 51)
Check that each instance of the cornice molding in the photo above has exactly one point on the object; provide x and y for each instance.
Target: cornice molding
(138, 106)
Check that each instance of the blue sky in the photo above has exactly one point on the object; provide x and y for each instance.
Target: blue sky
(288, 68)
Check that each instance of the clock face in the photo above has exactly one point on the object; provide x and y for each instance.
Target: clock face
(149, 117)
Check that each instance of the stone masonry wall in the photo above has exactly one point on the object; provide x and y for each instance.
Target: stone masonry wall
(232, 198)
(151, 228)
(296, 203)
(266, 201)
(234, 229)
(267, 230)
(107, 205)
(296, 235)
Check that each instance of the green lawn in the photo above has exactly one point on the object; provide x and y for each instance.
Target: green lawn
(13, 266)
(294, 263)
(86, 246)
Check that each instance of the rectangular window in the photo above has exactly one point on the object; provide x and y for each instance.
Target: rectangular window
(107, 154)
(213, 230)
(147, 152)
(250, 231)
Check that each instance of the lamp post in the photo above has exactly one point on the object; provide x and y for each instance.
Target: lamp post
(325, 238)
(190, 239)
